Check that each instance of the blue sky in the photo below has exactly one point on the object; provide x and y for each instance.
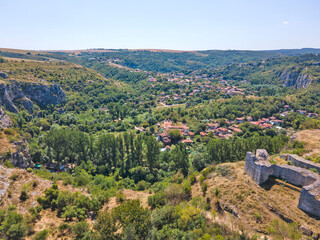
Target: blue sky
(165, 24)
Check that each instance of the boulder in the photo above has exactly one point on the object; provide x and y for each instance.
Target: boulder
(3, 75)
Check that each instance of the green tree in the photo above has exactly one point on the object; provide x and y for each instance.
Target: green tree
(153, 152)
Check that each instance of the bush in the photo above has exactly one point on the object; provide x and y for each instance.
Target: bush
(178, 177)
(35, 212)
(176, 193)
(204, 187)
(16, 231)
(64, 226)
(257, 216)
(8, 164)
(14, 177)
(9, 131)
(24, 195)
(157, 200)
(202, 178)
(80, 229)
(142, 185)
(120, 197)
(192, 179)
(42, 235)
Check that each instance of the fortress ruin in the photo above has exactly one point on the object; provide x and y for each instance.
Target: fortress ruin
(259, 168)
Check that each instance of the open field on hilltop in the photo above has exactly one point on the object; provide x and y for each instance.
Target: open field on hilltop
(21, 59)
(311, 142)
(310, 138)
(21, 51)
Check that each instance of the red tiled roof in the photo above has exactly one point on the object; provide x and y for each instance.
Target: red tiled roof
(187, 141)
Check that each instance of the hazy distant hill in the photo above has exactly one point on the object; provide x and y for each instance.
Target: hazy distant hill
(157, 60)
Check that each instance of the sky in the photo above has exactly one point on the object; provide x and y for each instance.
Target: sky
(155, 24)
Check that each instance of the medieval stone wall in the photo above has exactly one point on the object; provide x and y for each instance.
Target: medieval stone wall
(259, 169)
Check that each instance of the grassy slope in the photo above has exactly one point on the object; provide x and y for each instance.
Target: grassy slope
(239, 192)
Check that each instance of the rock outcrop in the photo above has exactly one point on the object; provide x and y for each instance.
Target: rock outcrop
(20, 157)
(295, 79)
(5, 120)
(26, 93)
(259, 169)
(3, 75)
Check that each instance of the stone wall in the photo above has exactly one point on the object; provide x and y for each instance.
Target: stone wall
(259, 169)
(301, 162)
(309, 199)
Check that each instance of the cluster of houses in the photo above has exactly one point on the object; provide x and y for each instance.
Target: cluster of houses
(213, 129)
(166, 126)
(194, 85)
(301, 112)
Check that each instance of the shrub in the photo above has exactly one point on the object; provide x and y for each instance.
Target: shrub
(314, 170)
(176, 193)
(64, 226)
(257, 216)
(202, 178)
(23, 196)
(192, 179)
(16, 231)
(8, 164)
(34, 184)
(42, 235)
(204, 188)
(35, 212)
(206, 171)
(120, 197)
(9, 131)
(80, 229)
(178, 177)
(157, 200)
(217, 192)
(142, 185)
(14, 177)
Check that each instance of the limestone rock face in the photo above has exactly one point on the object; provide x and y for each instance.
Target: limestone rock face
(26, 93)
(5, 120)
(295, 79)
(21, 157)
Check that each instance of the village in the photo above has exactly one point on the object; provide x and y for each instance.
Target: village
(213, 129)
(186, 87)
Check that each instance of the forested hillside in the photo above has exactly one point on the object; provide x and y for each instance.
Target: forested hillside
(296, 71)
(150, 144)
(168, 61)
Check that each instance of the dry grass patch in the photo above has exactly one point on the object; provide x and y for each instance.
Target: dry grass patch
(311, 141)
(5, 144)
(254, 206)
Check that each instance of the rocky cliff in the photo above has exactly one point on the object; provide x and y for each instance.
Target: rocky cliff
(25, 93)
(20, 157)
(295, 79)
(5, 120)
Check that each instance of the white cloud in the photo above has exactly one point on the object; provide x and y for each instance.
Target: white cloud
(285, 22)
